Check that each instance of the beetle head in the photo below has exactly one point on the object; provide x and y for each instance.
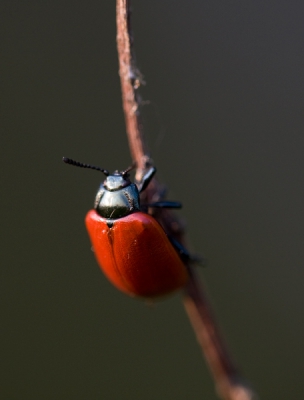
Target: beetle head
(117, 196)
(117, 180)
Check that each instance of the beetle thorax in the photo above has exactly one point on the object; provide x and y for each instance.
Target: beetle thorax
(117, 197)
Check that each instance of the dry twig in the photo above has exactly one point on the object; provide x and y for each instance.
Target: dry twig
(226, 377)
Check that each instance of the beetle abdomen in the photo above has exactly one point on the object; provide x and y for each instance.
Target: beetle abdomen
(136, 255)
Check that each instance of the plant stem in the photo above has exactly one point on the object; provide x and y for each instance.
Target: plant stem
(227, 380)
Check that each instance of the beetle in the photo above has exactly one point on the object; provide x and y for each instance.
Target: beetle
(130, 246)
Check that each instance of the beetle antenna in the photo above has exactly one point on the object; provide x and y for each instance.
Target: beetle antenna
(79, 164)
(126, 171)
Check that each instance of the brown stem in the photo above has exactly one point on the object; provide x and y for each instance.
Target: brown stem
(227, 379)
(130, 82)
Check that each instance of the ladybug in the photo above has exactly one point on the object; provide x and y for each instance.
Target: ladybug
(130, 246)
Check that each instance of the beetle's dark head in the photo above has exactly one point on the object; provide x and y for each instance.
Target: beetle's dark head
(117, 196)
(117, 180)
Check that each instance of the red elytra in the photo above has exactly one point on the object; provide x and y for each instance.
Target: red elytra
(136, 255)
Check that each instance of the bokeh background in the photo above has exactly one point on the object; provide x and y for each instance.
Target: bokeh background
(225, 125)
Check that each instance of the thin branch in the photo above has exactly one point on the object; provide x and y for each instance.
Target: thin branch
(130, 82)
(226, 377)
(228, 381)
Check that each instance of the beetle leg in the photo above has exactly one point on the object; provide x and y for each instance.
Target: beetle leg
(146, 179)
(185, 255)
(165, 204)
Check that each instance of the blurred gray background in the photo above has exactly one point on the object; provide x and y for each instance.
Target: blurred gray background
(225, 124)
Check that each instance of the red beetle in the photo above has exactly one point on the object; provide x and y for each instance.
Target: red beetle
(130, 246)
